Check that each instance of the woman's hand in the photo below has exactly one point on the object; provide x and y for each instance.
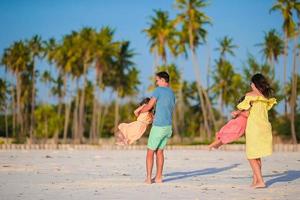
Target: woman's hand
(235, 113)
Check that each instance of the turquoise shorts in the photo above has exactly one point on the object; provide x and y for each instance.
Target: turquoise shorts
(159, 136)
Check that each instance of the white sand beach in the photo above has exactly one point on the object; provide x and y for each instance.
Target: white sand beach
(119, 174)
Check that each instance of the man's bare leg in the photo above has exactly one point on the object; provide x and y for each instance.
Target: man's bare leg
(149, 165)
(159, 165)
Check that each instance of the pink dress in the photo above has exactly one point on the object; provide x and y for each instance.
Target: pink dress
(130, 132)
(234, 129)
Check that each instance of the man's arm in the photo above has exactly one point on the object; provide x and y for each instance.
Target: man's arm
(137, 111)
(149, 105)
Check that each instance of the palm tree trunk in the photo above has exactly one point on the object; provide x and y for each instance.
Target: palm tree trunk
(208, 74)
(210, 111)
(95, 134)
(200, 92)
(175, 123)
(67, 109)
(32, 122)
(67, 118)
(181, 108)
(81, 106)
(46, 127)
(6, 124)
(102, 119)
(94, 129)
(271, 63)
(94, 117)
(99, 108)
(59, 112)
(155, 61)
(75, 116)
(294, 92)
(116, 112)
(13, 111)
(19, 110)
(284, 69)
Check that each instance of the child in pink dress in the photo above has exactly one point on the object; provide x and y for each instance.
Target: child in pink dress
(231, 131)
(130, 132)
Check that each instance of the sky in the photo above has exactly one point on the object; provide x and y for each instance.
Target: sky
(245, 21)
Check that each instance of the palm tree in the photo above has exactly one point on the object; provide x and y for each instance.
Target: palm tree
(272, 48)
(293, 98)
(3, 103)
(58, 53)
(36, 51)
(104, 50)
(192, 20)
(286, 7)
(16, 59)
(226, 46)
(85, 54)
(162, 34)
(123, 77)
(224, 72)
(226, 83)
(47, 79)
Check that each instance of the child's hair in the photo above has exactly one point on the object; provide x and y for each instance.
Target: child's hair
(241, 99)
(145, 101)
(262, 85)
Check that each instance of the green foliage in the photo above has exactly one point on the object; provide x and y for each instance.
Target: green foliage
(282, 126)
(47, 121)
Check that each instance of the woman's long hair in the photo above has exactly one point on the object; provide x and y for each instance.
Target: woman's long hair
(262, 85)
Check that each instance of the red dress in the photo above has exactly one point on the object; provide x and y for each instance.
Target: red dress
(234, 129)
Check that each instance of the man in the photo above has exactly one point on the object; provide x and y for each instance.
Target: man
(163, 99)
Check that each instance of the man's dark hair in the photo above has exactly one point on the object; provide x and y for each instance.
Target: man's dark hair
(163, 75)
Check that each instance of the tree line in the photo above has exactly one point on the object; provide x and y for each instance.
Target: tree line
(80, 114)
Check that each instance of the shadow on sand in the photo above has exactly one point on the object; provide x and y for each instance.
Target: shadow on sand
(287, 176)
(182, 175)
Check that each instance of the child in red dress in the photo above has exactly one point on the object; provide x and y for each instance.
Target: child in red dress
(231, 131)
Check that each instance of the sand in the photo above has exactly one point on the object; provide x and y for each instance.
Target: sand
(119, 174)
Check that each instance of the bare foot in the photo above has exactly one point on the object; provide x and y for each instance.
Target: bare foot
(253, 182)
(259, 185)
(158, 180)
(120, 143)
(148, 181)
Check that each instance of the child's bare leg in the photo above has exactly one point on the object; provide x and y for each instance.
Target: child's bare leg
(120, 138)
(216, 144)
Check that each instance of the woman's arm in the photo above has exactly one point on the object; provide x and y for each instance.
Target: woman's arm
(235, 113)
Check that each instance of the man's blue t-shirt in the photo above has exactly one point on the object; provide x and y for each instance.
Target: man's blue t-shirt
(165, 101)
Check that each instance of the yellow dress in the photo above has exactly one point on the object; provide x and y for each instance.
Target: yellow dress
(258, 131)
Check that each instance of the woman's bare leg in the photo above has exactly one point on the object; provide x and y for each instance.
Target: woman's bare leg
(258, 181)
